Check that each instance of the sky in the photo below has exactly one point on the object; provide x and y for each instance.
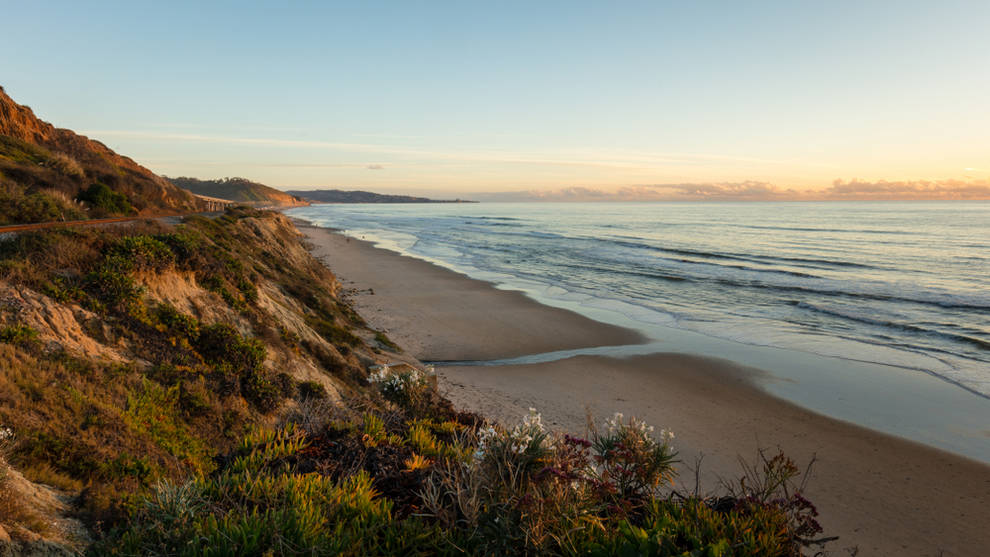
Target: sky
(525, 100)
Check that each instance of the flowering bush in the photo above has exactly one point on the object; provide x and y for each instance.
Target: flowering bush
(6, 441)
(6, 444)
(526, 487)
(525, 443)
(631, 463)
(402, 387)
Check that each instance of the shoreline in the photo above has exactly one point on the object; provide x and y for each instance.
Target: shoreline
(875, 491)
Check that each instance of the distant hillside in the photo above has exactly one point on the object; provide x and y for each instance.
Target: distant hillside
(241, 190)
(341, 196)
(49, 173)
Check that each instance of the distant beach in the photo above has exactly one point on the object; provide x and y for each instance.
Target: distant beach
(884, 494)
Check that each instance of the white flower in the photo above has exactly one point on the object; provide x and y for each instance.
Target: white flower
(615, 424)
(485, 436)
(639, 429)
(379, 376)
(533, 420)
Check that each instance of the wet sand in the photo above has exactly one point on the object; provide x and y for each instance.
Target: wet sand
(882, 494)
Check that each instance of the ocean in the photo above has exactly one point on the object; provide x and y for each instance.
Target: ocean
(905, 285)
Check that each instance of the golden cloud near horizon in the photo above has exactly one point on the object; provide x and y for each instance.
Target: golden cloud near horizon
(840, 190)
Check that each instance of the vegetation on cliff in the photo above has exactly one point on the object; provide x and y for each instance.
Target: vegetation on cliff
(358, 196)
(49, 174)
(133, 354)
(201, 389)
(241, 190)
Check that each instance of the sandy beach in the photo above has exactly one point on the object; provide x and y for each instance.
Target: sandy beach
(881, 494)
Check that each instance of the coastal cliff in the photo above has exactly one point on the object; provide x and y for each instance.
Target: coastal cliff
(50, 173)
(241, 191)
(139, 354)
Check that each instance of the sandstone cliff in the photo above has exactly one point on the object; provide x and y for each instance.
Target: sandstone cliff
(37, 156)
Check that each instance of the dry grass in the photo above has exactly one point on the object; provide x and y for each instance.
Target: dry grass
(66, 165)
(18, 519)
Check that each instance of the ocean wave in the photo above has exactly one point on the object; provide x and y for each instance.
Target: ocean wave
(628, 272)
(839, 230)
(752, 258)
(899, 326)
(485, 217)
(863, 295)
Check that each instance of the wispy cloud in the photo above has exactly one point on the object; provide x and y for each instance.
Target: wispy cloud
(916, 189)
(600, 163)
(757, 191)
(726, 191)
(569, 158)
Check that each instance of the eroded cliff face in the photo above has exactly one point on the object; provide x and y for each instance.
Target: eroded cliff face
(145, 351)
(61, 160)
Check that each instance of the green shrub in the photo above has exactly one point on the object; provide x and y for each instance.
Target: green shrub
(124, 466)
(113, 286)
(176, 322)
(248, 290)
(35, 207)
(101, 197)
(259, 389)
(214, 283)
(224, 348)
(17, 334)
(221, 345)
(154, 412)
(63, 289)
(312, 389)
(143, 253)
(185, 245)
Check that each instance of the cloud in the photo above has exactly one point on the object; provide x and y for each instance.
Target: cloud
(912, 189)
(715, 191)
(758, 191)
(561, 158)
(726, 191)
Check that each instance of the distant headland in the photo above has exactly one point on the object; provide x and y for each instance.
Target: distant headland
(342, 196)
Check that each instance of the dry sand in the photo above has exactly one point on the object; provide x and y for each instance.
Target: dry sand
(881, 494)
